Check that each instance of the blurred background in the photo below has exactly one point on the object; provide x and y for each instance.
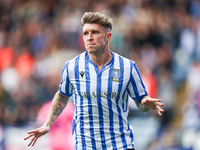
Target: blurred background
(161, 36)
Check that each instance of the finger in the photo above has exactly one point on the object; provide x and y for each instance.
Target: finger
(35, 139)
(32, 139)
(159, 104)
(156, 100)
(28, 137)
(160, 110)
(159, 113)
(152, 100)
(30, 143)
(33, 131)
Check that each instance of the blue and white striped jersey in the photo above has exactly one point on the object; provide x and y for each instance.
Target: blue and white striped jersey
(101, 101)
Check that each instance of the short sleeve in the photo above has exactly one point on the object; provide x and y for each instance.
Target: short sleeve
(136, 87)
(66, 87)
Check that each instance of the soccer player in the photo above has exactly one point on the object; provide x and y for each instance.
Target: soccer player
(100, 82)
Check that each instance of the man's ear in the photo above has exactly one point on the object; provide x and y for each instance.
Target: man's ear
(108, 36)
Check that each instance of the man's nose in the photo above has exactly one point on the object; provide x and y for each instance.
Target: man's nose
(90, 36)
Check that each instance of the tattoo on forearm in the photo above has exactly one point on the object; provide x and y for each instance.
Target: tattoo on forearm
(58, 109)
(60, 102)
(60, 105)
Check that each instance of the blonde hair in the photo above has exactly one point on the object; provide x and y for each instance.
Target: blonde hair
(98, 18)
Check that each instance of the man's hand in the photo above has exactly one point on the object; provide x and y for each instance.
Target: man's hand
(58, 104)
(35, 134)
(153, 103)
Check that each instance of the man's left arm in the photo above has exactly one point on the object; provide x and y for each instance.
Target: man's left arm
(147, 103)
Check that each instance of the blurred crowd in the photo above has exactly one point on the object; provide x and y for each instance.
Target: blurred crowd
(38, 36)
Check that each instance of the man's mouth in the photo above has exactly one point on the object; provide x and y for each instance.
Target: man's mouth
(90, 45)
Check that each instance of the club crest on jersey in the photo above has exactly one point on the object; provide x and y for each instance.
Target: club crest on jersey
(116, 73)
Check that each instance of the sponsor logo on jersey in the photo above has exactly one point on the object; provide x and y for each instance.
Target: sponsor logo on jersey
(98, 94)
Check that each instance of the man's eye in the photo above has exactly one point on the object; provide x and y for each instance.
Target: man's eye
(95, 32)
(85, 33)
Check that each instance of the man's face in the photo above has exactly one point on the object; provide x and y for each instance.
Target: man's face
(95, 38)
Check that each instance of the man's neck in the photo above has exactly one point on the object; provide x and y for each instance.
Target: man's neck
(100, 60)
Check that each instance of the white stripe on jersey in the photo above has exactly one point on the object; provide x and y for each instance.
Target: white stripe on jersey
(101, 99)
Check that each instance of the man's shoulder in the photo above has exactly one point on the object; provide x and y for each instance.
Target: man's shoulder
(73, 60)
(125, 59)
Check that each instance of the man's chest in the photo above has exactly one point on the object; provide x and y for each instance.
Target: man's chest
(108, 82)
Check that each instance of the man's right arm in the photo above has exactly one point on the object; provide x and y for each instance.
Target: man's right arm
(58, 104)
